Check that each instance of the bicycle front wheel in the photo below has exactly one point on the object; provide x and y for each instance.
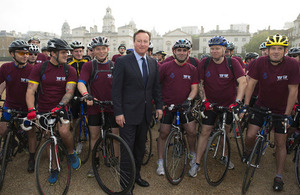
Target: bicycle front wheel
(215, 161)
(47, 163)
(148, 148)
(252, 164)
(82, 139)
(113, 165)
(5, 153)
(175, 157)
(297, 165)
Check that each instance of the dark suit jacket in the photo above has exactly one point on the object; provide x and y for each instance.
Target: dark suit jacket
(130, 97)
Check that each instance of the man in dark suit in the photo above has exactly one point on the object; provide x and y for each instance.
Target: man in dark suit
(135, 85)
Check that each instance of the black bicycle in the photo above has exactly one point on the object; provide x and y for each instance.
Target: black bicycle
(106, 159)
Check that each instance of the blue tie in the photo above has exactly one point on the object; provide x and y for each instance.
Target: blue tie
(145, 72)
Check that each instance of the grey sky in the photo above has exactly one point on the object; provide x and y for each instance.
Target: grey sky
(41, 15)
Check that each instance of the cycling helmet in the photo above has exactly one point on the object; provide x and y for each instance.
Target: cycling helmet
(34, 39)
(230, 45)
(89, 46)
(150, 48)
(44, 49)
(217, 40)
(99, 41)
(182, 43)
(263, 46)
(251, 55)
(128, 51)
(204, 56)
(56, 44)
(18, 45)
(277, 39)
(122, 45)
(76, 44)
(190, 42)
(33, 49)
(294, 51)
(162, 53)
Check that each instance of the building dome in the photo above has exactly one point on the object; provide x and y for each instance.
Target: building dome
(108, 14)
(66, 25)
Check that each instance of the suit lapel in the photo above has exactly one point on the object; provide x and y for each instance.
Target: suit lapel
(136, 69)
(151, 70)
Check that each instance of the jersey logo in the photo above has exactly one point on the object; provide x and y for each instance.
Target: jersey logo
(208, 74)
(60, 78)
(8, 78)
(225, 76)
(265, 75)
(187, 77)
(172, 75)
(24, 80)
(283, 77)
(109, 76)
(43, 77)
(39, 61)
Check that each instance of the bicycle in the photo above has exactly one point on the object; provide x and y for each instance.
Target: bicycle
(106, 159)
(81, 133)
(260, 146)
(148, 147)
(217, 154)
(9, 142)
(52, 157)
(175, 152)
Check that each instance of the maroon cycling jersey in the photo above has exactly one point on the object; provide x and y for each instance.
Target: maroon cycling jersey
(298, 99)
(240, 61)
(219, 81)
(176, 81)
(256, 89)
(273, 82)
(16, 84)
(53, 83)
(114, 58)
(41, 58)
(101, 86)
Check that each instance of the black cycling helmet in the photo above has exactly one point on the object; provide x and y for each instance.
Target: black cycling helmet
(99, 41)
(34, 39)
(251, 55)
(18, 45)
(56, 44)
(217, 40)
(44, 49)
(76, 44)
(294, 51)
(122, 45)
(230, 45)
(204, 56)
(33, 49)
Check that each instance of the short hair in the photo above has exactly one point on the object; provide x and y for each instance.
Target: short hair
(141, 31)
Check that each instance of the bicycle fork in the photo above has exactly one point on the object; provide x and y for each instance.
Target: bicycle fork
(55, 153)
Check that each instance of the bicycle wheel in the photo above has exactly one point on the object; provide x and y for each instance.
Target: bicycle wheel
(114, 175)
(47, 160)
(175, 157)
(239, 139)
(252, 164)
(5, 155)
(297, 165)
(81, 134)
(215, 165)
(148, 148)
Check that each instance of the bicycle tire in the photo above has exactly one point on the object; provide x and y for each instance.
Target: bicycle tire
(214, 170)
(108, 167)
(175, 157)
(148, 148)
(252, 164)
(42, 171)
(239, 139)
(153, 120)
(4, 160)
(85, 140)
(297, 165)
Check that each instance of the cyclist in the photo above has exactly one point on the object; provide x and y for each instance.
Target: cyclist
(194, 61)
(45, 52)
(41, 57)
(121, 49)
(128, 51)
(282, 72)
(15, 74)
(230, 53)
(250, 57)
(100, 88)
(161, 55)
(294, 52)
(263, 49)
(217, 79)
(150, 49)
(57, 87)
(89, 51)
(179, 82)
(33, 53)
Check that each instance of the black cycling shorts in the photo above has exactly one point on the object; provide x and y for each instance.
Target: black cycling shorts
(169, 117)
(212, 116)
(96, 120)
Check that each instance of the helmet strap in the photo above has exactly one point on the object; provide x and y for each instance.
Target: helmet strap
(18, 63)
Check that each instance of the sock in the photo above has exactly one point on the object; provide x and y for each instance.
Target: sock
(280, 176)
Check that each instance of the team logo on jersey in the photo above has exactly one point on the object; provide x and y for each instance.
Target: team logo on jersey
(208, 74)
(43, 77)
(8, 78)
(24, 80)
(60, 78)
(265, 75)
(172, 75)
(283, 77)
(224, 76)
(39, 61)
(187, 77)
(109, 76)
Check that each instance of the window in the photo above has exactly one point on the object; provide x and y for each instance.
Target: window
(204, 49)
(244, 39)
(243, 50)
(236, 39)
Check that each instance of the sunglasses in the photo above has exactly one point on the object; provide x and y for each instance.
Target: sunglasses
(23, 53)
(294, 56)
(33, 54)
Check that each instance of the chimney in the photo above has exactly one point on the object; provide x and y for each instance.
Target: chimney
(248, 28)
(231, 26)
(217, 27)
(202, 29)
